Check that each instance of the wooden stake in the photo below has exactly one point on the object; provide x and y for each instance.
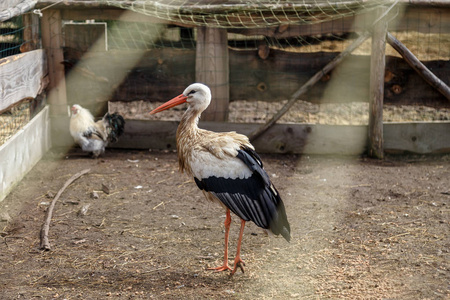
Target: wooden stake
(52, 43)
(212, 69)
(45, 244)
(419, 67)
(302, 90)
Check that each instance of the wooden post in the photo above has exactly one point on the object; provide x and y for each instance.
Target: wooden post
(30, 32)
(51, 27)
(376, 91)
(31, 42)
(212, 69)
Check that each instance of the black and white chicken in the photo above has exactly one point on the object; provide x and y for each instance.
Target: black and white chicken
(94, 136)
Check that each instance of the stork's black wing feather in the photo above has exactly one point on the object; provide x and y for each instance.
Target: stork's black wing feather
(253, 198)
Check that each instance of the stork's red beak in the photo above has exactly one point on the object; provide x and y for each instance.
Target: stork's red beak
(169, 104)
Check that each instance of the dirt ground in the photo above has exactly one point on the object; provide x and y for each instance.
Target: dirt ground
(361, 229)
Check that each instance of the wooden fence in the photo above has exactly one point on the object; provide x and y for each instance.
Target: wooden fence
(22, 77)
(235, 82)
(221, 68)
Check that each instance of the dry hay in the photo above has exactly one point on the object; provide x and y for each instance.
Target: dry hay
(354, 113)
(13, 120)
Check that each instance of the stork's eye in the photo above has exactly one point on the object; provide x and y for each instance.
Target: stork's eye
(192, 92)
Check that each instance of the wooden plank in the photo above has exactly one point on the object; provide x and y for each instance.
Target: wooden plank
(425, 19)
(419, 67)
(161, 73)
(109, 13)
(423, 138)
(417, 137)
(212, 69)
(5, 4)
(51, 27)
(158, 75)
(22, 151)
(30, 32)
(281, 138)
(376, 93)
(337, 26)
(13, 8)
(420, 19)
(22, 76)
(82, 36)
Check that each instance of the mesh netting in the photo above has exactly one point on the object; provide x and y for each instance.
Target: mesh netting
(249, 14)
(167, 51)
(13, 120)
(11, 32)
(11, 40)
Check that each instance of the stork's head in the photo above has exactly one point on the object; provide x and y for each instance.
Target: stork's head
(197, 95)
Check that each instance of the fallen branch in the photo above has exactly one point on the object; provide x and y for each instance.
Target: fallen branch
(419, 67)
(45, 244)
(313, 80)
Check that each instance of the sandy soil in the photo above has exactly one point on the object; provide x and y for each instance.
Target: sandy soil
(362, 229)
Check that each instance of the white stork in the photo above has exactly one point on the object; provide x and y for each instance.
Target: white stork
(227, 169)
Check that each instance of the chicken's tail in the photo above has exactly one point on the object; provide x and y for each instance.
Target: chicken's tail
(114, 124)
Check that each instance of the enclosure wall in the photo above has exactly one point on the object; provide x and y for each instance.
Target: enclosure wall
(20, 153)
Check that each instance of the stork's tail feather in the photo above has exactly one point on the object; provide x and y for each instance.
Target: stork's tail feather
(283, 226)
(115, 125)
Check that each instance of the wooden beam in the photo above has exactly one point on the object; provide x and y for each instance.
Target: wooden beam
(30, 32)
(417, 137)
(23, 150)
(110, 13)
(212, 69)
(376, 92)
(273, 79)
(52, 43)
(13, 8)
(22, 76)
(421, 137)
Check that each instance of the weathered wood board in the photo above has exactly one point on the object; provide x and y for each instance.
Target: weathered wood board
(212, 69)
(115, 75)
(82, 36)
(22, 76)
(162, 73)
(51, 31)
(13, 8)
(424, 17)
(424, 138)
(417, 137)
(22, 151)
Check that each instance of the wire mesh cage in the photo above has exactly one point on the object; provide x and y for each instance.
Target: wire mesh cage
(11, 36)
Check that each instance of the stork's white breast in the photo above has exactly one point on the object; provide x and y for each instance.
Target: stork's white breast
(204, 164)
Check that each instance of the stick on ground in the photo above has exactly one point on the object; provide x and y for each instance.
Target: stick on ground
(45, 244)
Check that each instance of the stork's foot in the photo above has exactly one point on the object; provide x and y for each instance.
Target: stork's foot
(238, 263)
(225, 267)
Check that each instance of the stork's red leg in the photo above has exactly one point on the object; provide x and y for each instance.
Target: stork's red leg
(225, 266)
(238, 262)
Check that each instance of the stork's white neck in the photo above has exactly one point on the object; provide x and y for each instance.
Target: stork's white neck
(187, 136)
